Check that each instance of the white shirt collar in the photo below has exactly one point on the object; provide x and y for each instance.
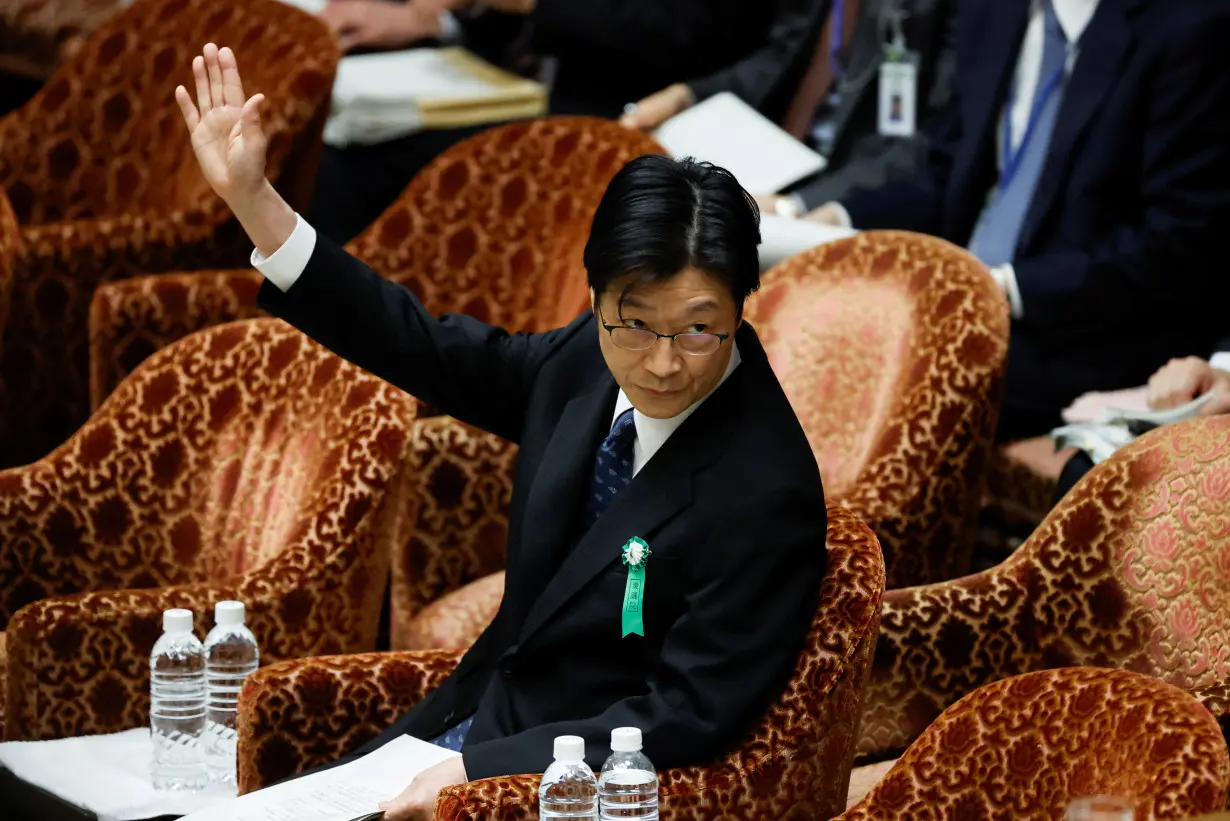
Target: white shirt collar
(651, 434)
(1074, 16)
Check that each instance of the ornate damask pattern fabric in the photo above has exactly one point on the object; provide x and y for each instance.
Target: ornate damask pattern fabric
(246, 462)
(10, 242)
(796, 763)
(891, 347)
(102, 177)
(35, 35)
(494, 228)
(1024, 747)
(456, 619)
(1131, 570)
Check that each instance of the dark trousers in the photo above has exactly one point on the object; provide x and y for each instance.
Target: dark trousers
(355, 185)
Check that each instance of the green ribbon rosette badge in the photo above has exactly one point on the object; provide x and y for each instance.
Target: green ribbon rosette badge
(635, 555)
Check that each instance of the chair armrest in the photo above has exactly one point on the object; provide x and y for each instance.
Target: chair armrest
(131, 319)
(461, 486)
(937, 644)
(300, 714)
(505, 798)
(79, 665)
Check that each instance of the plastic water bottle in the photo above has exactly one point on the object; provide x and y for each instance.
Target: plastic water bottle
(628, 785)
(177, 704)
(569, 789)
(230, 654)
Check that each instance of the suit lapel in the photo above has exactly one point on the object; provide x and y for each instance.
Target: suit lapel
(554, 501)
(1005, 22)
(1106, 42)
(660, 490)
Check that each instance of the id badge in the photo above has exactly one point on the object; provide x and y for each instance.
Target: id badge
(898, 96)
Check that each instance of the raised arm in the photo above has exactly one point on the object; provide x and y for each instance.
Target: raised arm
(462, 367)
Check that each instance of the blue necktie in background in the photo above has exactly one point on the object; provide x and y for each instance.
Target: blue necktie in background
(999, 229)
(612, 467)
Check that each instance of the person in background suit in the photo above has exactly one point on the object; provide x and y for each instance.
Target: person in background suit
(656, 417)
(765, 79)
(1083, 157)
(843, 122)
(594, 56)
(1178, 382)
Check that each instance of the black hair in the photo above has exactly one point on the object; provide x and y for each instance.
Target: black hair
(660, 216)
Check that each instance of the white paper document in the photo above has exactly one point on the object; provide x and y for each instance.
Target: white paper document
(338, 794)
(728, 132)
(109, 775)
(783, 237)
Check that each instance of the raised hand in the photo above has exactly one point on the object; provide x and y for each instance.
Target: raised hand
(225, 126)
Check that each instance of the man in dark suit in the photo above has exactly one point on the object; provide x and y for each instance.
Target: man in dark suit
(654, 421)
(596, 56)
(1084, 158)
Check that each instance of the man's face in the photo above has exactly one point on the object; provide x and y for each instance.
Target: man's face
(664, 379)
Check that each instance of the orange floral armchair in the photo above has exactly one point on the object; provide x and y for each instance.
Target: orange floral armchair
(245, 462)
(797, 761)
(36, 35)
(1131, 570)
(101, 175)
(494, 228)
(10, 243)
(1024, 747)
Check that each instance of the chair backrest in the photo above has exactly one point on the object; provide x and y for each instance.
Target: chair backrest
(891, 347)
(797, 760)
(1022, 748)
(217, 453)
(1131, 570)
(495, 227)
(10, 239)
(105, 136)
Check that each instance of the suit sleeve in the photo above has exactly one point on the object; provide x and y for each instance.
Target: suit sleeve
(475, 372)
(665, 33)
(723, 662)
(760, 76)
(1167, 256)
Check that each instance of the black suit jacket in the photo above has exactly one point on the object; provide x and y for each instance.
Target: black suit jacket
(731, 506)
(1121, 259)
(861, 157)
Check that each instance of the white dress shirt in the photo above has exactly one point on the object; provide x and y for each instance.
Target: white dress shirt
(1221, 361)
(284, 266)
(651, 434)
(1074, 17)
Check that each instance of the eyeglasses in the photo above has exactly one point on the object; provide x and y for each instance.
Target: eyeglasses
(642, 339)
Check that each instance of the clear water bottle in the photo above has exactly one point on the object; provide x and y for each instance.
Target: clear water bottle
(230, 654)
(628, 785)
(177, 704)
(569, 789)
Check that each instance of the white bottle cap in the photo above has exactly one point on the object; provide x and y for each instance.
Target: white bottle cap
(177, 621)
(570, 749)
(228, 612)
(625, 740)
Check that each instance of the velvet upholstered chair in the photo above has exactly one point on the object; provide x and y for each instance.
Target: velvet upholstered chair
(891, 348)
(102, 177)
(10, 243)
(245, 462)
(795, 763)
(1022, 748)
(494, 228)
(1131, 570)
(37, 35)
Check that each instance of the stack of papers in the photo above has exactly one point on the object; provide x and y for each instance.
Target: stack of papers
(783, 237)
(1114, 426)
(379, 97)
(728, 132)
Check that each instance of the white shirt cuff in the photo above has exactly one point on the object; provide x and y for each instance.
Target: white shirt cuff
(1005, 277)
(842, 214)
(1221, 361)
(284, 266)
(450, 28)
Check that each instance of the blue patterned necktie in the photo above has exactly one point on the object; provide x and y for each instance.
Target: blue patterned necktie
(612, 467)
(455, 737)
